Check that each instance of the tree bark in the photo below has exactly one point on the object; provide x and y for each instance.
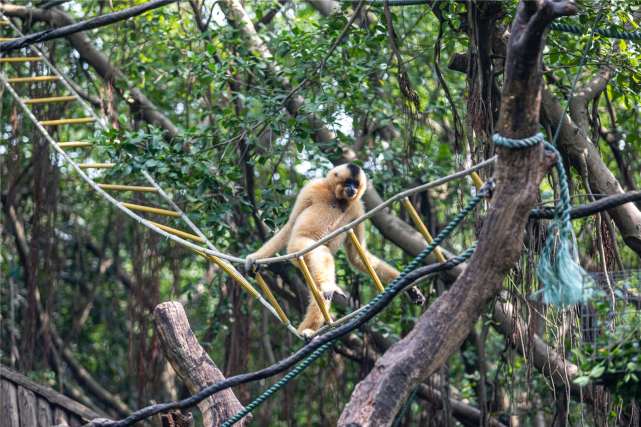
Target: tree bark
(443, 327)
(193, 365)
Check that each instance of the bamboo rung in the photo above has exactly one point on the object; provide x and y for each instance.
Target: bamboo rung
(178, 233)
(314, 290)
(418, 222)
(3, 22)
(33, 79)
(150, 209)
(272, 300)
(7, 39)
(134, 188)
(368, 265)
(75, 121)
(74, 144)
(21, 59)
(50, 99)
(233, 273)
(476, 179)
(96, 165)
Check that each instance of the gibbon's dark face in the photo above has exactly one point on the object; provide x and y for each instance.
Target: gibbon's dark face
(348, 182)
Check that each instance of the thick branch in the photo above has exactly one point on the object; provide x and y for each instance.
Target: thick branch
(600, 205)
(443, 327)
(586, 93)
(193, 365)
(89, 24)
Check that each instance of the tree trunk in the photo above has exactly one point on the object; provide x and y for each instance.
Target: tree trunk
(193, 365)
(443, 327)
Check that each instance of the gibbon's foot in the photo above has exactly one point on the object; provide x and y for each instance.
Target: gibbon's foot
(415, 295)
(329, 291)
(307, 334)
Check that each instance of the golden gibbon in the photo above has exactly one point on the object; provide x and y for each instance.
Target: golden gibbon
(322, 206)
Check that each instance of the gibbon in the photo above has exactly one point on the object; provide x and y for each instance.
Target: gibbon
(322, 206)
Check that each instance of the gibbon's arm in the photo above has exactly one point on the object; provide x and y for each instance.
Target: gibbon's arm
(280, 239)
(385, 272)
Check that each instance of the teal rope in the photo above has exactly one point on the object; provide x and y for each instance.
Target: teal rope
(564, 280)
(445, 232)
(612, 33)
(277, 385)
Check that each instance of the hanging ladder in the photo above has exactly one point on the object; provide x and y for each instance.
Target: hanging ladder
(106, 189)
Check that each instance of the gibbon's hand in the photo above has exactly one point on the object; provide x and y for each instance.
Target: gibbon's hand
(250, 264)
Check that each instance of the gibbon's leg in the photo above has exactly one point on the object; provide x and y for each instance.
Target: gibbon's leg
(385, 272)
(320, 262)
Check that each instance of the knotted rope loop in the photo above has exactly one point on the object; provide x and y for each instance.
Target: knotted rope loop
(564, 280)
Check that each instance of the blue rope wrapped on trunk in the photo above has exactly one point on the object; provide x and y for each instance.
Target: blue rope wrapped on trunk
(564, 280)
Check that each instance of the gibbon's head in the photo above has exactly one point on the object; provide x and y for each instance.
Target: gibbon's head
(347, 181)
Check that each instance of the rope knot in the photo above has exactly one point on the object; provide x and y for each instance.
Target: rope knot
(564, 280)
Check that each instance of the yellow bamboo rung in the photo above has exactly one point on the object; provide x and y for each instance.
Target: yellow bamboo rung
(418, 222)
(178, 233)
(96, 165)
(150, 209)
(233, 273)
(13, 80)
(368, 265)
(74, 144)
(75, 121)
(3, 22)
(134, 188)
(476, 179)
(49, 99)
(21, 59)
(314, 290)
(7, 39)
(272, 300)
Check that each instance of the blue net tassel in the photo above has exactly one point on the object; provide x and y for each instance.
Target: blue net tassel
(564, 280)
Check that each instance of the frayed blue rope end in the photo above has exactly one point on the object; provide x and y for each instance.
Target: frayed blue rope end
(564, 280)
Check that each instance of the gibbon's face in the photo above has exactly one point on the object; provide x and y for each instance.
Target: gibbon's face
(348, 182)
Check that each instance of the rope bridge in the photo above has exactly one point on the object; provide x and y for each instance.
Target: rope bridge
(194, 239)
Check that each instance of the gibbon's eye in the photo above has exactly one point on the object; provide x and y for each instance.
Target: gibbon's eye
(335, 173)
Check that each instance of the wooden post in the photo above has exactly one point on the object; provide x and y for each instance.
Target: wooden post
(193, 365)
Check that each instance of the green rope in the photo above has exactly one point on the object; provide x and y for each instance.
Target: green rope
(612, 33)
(392, 287)
(564, 280)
